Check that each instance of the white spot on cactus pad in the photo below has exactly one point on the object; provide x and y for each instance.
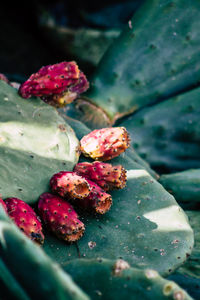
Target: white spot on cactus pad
(175, 219)
(137, 173)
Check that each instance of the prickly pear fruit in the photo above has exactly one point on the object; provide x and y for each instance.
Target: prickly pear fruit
(105, 175)
(57, 84)
(106, 143)
(69, 184)
(60, 217)
(97, 200)
(25, 218)
(3, 204)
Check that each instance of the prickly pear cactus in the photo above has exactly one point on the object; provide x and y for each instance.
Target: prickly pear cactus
(117, 280)
(167, 135)
(32, 274)
(35, 142)
(141, 233)
(184, 186)
(155, 57)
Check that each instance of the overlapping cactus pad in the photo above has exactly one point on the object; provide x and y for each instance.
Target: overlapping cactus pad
(35, 142)
(124, 281)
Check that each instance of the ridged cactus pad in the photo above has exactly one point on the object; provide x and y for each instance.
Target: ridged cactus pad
(135, 228)
(35, 143)
(116, 280)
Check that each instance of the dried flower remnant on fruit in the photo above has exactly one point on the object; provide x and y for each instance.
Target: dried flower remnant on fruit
(25, 218)
(107, 176)
(106, 143)
(97, 200)
(60, 217)
(57, 84)
(69, 184)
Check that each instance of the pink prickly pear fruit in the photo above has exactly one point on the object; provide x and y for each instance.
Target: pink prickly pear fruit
(57, 84)
(69, 184)
(106, 143)
(3, 204)
(25, 218)
(108, 177)
(97, 200)
(60, 217)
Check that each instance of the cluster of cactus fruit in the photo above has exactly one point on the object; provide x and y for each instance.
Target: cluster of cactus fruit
(113, 252)
(86, 186)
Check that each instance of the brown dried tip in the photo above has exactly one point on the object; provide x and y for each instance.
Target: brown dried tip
(106, 143)
(69, 184)
(97, 200)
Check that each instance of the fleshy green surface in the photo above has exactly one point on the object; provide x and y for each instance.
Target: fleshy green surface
(26, 265)
(155, 57)
(35, 143)
(188, 275)
(144, 226)
(184, 186)
(99, 280)
(167, 134)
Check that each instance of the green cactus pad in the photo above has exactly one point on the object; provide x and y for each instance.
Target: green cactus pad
(167, 135)
(188, 275)
(35, 142)
(106, 279)
(155, 57)
(33, 272)
(144, 226)
(184, 186)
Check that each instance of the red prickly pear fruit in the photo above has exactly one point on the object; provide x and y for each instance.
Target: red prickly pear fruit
(97, 200)
(3, 204)
(108, 177)
(25, 218)
(106, 143)
(69, 184)
(57, 84)
(60, 217)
